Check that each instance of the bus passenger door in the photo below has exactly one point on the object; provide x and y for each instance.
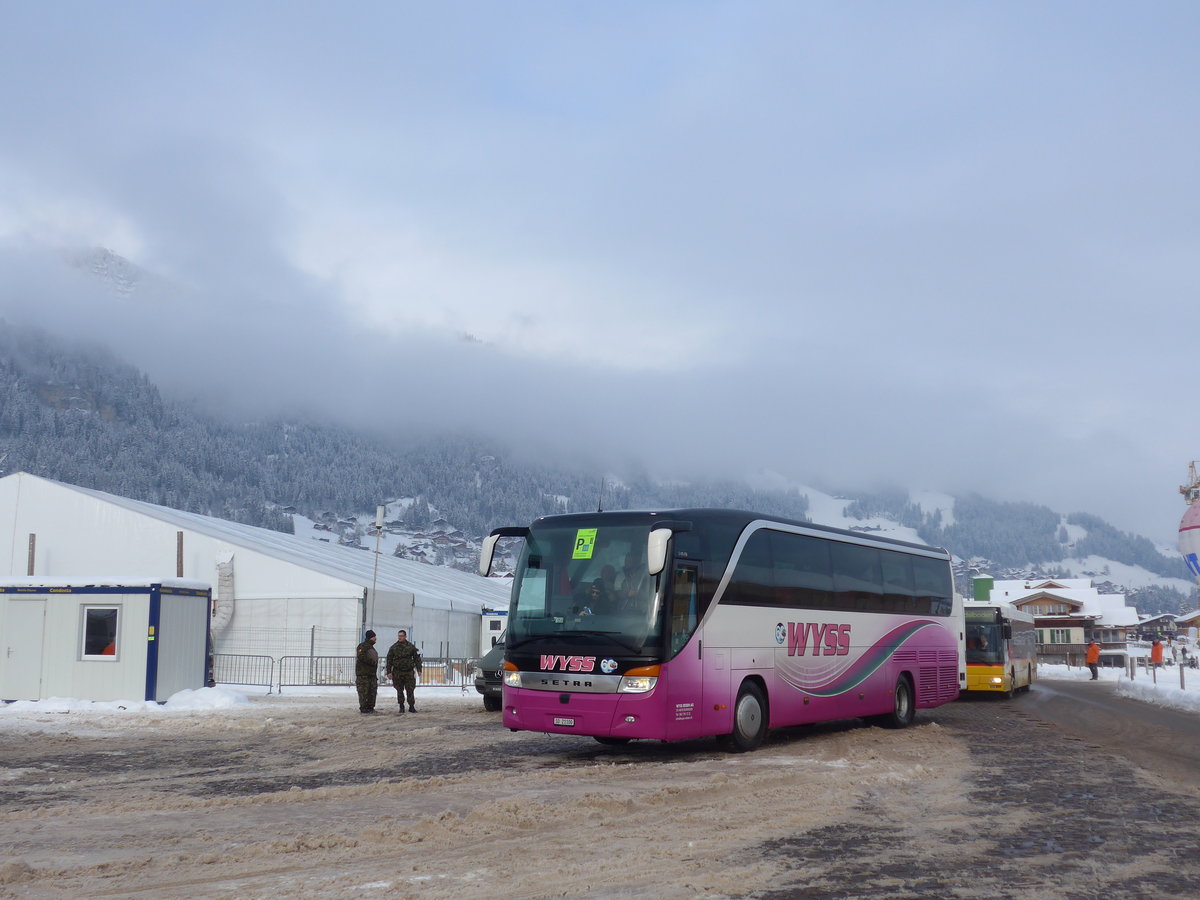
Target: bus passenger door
(685, 679)
(704, 670)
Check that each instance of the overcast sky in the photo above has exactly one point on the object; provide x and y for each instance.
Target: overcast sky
(942, 245)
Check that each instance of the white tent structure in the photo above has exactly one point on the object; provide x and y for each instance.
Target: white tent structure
(274, 594)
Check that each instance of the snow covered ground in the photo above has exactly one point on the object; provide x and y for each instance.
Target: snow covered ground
(226, 792)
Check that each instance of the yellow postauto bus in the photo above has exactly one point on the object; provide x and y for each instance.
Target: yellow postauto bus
(1001, 648)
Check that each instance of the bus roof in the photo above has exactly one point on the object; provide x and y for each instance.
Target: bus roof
(736, 517)
(1007, 610)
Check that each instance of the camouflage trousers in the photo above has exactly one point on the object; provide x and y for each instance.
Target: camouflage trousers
(405, 684)
(368, 687)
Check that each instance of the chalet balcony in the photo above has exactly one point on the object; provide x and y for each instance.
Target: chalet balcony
(1112, 653)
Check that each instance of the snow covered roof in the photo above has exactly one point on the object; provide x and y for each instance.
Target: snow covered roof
(1109, 609)
(436, 587)
(1163, 616)
(1027, 585)
(101, 581)
(1113, 610)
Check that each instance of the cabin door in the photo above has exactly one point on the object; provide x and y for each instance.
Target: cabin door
(24, 631)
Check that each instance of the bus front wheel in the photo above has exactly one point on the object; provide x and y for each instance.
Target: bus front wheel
(749, 720)
(903, 710)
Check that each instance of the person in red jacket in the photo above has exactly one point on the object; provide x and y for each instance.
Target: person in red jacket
(1156, 652)
(1093, 659)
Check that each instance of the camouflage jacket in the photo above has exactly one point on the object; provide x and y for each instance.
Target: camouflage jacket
(402, 658)
(366, 659)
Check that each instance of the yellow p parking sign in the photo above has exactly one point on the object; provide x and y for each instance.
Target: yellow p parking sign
(585, 543)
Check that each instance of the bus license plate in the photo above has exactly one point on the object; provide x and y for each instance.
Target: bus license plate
(570, 722)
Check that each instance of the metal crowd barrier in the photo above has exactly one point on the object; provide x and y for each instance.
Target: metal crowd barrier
(305, 671)
(230, 668)
(452, 672)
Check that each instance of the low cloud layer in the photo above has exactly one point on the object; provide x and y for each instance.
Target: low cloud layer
(947, 248)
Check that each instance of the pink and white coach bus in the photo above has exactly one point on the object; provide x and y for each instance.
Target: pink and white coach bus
(699, 622)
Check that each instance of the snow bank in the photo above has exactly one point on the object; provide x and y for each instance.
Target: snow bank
(201, 699)
(1161, 691)
(220, 699)
(1166, 692)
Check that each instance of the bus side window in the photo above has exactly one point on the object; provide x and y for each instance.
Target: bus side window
(803, 578)
(899, 589)
(857, 577)
(683, 606)
(753, 581)
(935, 590)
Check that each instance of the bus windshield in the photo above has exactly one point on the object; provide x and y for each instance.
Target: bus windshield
(985, 643)
(592, 582)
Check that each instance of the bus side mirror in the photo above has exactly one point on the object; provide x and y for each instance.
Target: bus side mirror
(656, 545)
(1006, 632)
(486, 552)
(656, 549)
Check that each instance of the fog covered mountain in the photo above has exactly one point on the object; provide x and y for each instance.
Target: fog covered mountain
(76, 413)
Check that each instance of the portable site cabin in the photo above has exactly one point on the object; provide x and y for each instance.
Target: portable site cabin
(102, 638)
(494, 623)
(274, 594)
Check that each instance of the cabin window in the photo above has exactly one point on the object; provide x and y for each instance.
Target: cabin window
(100, 632)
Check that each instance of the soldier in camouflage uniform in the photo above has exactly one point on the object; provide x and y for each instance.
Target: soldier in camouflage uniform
(366, 673)
(403, 659)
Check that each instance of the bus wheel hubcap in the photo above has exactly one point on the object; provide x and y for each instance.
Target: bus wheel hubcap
(748, 716)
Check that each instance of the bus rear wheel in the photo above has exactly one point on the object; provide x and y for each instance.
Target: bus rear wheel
(903, 711)
(749, 720)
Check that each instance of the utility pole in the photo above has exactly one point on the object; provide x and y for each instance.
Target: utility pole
(375, 575)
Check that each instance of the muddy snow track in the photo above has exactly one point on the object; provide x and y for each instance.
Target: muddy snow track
(303, 796)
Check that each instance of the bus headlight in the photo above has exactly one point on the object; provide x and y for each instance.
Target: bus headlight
(638, 684)
(997, 681)
(639, 680)
(511, 674)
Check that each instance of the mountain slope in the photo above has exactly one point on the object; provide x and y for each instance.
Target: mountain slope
(78, 414)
